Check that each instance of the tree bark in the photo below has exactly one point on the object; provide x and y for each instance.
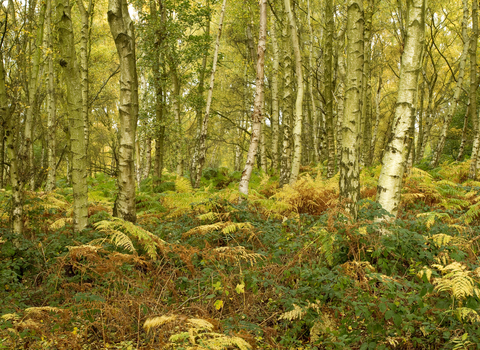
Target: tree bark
(287, 105)
(71, 76)
(27, 148)
(396, 152)
(297, 128)
(328, 59)
(275, 108)
(349, 181)
(51, 103)
(84, 42)
(473, 90)
(257, 111)
(122, 29)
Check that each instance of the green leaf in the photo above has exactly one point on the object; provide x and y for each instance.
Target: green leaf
(397, 319)
(389, 314)
(382, 307)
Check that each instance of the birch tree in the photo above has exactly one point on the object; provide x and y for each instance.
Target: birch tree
(473, 90)
(257, 111)
(275, 107)
(297, 128)
(51, 102)
(349, 159)
(122, 29)
(71, 77)
(396, 151)
(328, 59)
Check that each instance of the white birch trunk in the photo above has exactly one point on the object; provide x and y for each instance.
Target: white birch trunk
(396, 153)
(122, 29)
(68, 63)
(297, 128)
(257, 112)
(349, 180)
(51, 103)
(275, 108)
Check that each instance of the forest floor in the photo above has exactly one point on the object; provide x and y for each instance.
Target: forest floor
(284, 270)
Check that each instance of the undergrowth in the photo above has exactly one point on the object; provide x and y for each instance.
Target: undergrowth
(284, 270)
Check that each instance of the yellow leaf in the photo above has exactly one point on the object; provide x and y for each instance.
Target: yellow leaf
(218, 304)
(240, 288)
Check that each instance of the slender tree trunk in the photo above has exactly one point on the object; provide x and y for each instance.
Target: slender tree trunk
(199, 106)
(473, 90)
(197, 166)
(2, 154)
(123, 34)
(84, 43)
(275, 108)
(377, 119)
(316, 150)
(428, 120)
(458, 89)
(328, 59)
(159, 78)
(287, 105)
(257, 112)
(396, 152)
(11, 126)
(461, 149)
(176, 101)
(297, 128)
(349, 159)
(51, 103)
(32, 98)
(420, 122)
(366, 133)
(148, 158)
(71, 76)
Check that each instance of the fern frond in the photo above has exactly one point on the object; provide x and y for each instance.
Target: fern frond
(326, 240)
(221, 341)
(182, 185)
(200, 323)
(471, 214)
(10, 317)
(441, 239)
(40, 309)
(457, 280)
(204, 229)
(235, 254)
(158, 322)
(432, 216)
(120, 239)
(296, 314)
(118, 229)
(236, 226)
(60, 223)
(467, 314)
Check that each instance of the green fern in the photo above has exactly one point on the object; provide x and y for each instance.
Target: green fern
(120, 231)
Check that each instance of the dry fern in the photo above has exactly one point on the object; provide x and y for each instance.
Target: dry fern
(195, 333)
(456, 280)
(233, 254)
